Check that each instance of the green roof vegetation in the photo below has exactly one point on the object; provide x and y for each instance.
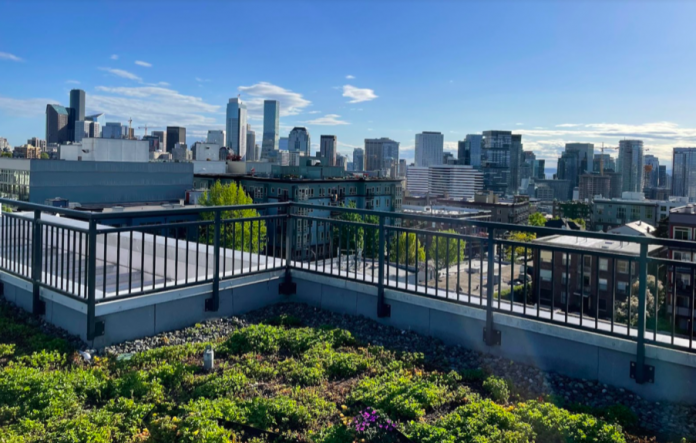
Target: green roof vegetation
(288, 382)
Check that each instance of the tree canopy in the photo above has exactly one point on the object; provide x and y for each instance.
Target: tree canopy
(537, 219)
(446, 251)
(404, 248)
(253, 233)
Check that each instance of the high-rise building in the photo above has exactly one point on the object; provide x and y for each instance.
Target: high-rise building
(501, 156)
(469, 152)
(585, 155)
(216, 136)
(380, 153)
(34, 141)
(271, 122)
(684, 172)
(341, 161)
(402, 168)
(299, 141)
(98, 122)
(539, 171)
(77, 102)
(358, 159)
(283, 144)
(631, 165)
(603, 161)
(162, 136)
(652, 171)
(175, 134)
(76, 113)
(57, 124)
(236, 127)
(592, 185)
(662, 177)
(112, 130)
(429, 148)
(450, 181)
(251, 144)
(576, 160)
(327, 148)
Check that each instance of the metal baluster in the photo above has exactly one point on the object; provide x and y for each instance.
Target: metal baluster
(526, 289)
(118, 262)
(130, 263)
(567, 285)
(234, 244)
(142, 261)
(106, 239)
(674, 301)
(582, 288)
(596, 266)
(553, 283)
(512, 277)
(459, 265)
(613, 293)
(166, 250)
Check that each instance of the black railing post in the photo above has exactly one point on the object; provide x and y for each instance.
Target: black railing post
(38, 306)
(91, 264)
(642, 373)
(287, 287)
(214, 303)
(490, 336)
(382, 308)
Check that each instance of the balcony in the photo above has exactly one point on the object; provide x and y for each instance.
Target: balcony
(108, 284)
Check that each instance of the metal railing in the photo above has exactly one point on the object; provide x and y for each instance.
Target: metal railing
(616, 285)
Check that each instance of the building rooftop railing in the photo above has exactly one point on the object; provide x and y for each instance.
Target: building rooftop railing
(638, 293)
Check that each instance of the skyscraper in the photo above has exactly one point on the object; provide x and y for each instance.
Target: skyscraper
(603, 161)
(271, 122)
(469, 152)
(216, 136)
(327, 148)
(77, 102)
(501, 156)
(57, 124)
(652, 171)
(162, 136)
(112, 130)
(631, 165)
(358, 159)
(429, 147)
(237, 127)
(585, 155)
(175, 134)
(380, 153)
(684, 172)
(251, 144)
(283, 144)
(299, 141)
(662, 177)
(76, 113)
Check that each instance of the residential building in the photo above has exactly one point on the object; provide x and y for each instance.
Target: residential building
(652, 171)
(684, 172)
(448, 181)
(34, 141)
(631, 165)
(429, 148)
(327, 148)
(209, 152)
(106, 150)
(636, 229)
(299, 141)
(610, 213)
(380, 155)
(5, 145)
(680, 283)
(358, 159)
(94, 182)
(251, 144)
(236, 126)
(26, 151)
(271, 122)
(57, 124)
(592, 185)
(175, 134)
(469, 150)
(501, 156)
(216, 137)
(585, 281)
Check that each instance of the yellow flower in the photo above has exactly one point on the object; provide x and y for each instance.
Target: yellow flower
(196, 432)
(344, 407)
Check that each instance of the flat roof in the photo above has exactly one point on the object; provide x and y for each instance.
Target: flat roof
(298, 180)
(597, 244)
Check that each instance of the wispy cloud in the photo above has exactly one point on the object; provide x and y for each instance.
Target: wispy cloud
(350, 77)
(10, 57)
(568, 125)
(114, 57)
(144, 64)
(291, 103)
(123, 74)
(72, 82)
(519, 124)
(358, 95)
(202, 80)
(327, 120)
(30, 107)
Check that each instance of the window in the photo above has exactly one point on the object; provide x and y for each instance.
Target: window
(588, 263)
(682, 233)
(622, 266)
(621, 287)
(603, 264)
(681, 255)
(603, 284)
(566, 259)
(621, 213)
(635, 213)
(683, 280)
(545, 274)
(564, 278)
(649, 213)
(602, 305)
(546, 256)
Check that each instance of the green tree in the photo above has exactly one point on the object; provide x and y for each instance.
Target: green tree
(525, 237)
(45, 156)
(537, 219)
(403, 242)
(446, 251)
(581, 222)
(232, 231)
(352, 237)
(653, 287)
(6, 154)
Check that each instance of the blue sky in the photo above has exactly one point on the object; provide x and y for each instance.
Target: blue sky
(554, 71)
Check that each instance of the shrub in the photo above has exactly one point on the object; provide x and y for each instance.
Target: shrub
(497, 388)
(216, 385)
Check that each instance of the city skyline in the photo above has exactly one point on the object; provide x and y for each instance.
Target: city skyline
(550, 100)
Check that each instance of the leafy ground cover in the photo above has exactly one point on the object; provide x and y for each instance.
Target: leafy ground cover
(292, 382)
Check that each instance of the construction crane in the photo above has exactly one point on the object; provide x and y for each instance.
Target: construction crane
(145, 128)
